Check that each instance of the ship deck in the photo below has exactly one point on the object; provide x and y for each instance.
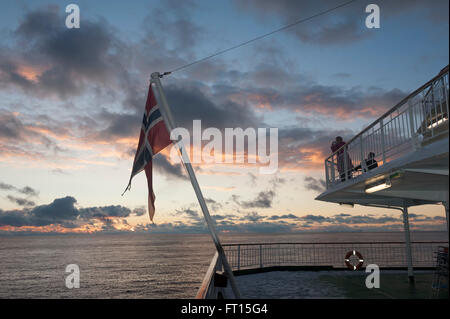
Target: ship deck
(336, 284)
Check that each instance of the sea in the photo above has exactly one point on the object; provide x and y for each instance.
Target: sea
(142, 265)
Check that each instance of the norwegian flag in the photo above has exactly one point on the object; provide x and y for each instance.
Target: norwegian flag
(154, 138)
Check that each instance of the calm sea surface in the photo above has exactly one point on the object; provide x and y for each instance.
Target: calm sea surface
(133, 265)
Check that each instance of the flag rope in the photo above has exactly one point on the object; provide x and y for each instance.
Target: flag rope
(259, 37)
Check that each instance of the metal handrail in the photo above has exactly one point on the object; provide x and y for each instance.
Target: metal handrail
(205, 290)
(397, 131)
(331, 254)
(333, 243)
(443, 72)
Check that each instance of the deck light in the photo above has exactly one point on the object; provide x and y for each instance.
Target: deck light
(378, 187)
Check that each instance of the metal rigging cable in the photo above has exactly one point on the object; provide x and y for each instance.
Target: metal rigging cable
(261, 36)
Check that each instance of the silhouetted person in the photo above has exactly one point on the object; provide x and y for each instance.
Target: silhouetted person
(338, 147)
(371, 163)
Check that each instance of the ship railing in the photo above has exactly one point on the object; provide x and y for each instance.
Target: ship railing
(316, 255)
(417, 120)
(209, 288)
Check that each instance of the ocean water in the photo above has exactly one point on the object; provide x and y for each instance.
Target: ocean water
(133, 265)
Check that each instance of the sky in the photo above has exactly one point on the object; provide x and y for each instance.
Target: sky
(72, 102)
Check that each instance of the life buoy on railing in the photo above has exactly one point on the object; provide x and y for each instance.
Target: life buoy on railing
(360, 260)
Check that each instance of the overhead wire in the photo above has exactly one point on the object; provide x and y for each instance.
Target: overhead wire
(260, 37)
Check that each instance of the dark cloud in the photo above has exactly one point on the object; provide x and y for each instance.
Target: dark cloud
(191, 214)
(104, 211)
(140, 211)
(315, 219)
(10, 126)
(317, 185)
(327, 100)
(364, 219)
(27, 190)
(7, 187)
(189, 103)
(94, 58)
(27, 138)
(162, 164)
(253, 217)
(20, 201)
(62, 211)
(344, 25)
(67, 59)
(214, 205)
(287, 216)
(263, 200)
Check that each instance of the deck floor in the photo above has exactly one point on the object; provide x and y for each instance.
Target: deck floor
(336, 284)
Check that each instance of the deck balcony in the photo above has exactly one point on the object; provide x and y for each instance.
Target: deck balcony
(409, 146)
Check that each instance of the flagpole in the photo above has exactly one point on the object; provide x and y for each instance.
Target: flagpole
(168, 119)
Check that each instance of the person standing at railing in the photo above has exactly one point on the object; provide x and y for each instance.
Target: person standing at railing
(338, 146)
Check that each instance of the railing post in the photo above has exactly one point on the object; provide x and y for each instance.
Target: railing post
(239, 258)
(327, 178)
(383, 146)
(333, 173)
(412, 125)
(260, 257)
(363, 162)
(345, 162)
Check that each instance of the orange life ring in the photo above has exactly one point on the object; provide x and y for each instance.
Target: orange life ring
(360, 260)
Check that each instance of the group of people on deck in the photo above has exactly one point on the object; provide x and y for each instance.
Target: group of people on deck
(344, 162)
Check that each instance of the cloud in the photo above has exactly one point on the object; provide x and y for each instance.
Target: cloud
(253, 217)
(263, 200)
(20, 201)
(140, 211)
(27, 190)
(342, 26)
(315, 219)
(8, 187)
(317, 185)
(163, 165)
(62, 211)
(189, 103)
(50, 59)
(287, 216)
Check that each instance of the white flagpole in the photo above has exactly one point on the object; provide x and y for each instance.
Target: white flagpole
(168, 119)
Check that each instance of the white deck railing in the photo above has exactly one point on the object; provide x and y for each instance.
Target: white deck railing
(383, 254)
(417, 120)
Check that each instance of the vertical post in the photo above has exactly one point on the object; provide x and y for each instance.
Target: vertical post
(345, 162)
(333, 172)
(412, 125)
(239, 257)
(327, 178)
(363, 161)
(168, 119)
(260, 256)
(408, 244)
(383, 147)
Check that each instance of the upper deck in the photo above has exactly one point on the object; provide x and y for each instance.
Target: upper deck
(410, 146)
